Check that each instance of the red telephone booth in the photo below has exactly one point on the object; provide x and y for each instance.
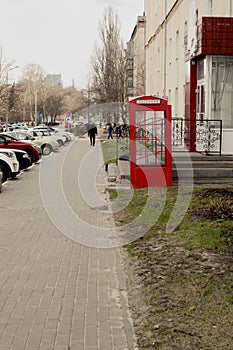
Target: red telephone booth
(150, 142)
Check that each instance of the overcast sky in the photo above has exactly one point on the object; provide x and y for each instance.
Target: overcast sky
(59, 35)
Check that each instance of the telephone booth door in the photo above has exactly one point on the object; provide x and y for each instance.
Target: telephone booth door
(150, 142)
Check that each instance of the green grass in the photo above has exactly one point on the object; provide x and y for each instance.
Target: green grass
(109, 151)
(192, 289)
(195, 230)
(113, 149)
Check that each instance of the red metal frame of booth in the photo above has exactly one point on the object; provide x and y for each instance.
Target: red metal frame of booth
(150, 142)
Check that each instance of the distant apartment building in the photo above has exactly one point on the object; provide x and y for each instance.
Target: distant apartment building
(129, 55)
(189, 59)
(53, 79)
(135, 60)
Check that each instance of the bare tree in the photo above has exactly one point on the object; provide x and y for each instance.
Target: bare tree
(74, 100)
(107, 61)
(33, 80)
(53, 104)
(7, 91)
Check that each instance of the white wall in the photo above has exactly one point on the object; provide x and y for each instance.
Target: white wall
(227, 144)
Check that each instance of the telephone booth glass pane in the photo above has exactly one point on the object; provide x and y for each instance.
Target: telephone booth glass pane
(150, 138)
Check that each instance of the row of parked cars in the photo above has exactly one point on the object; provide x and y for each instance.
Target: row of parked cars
(22, 147)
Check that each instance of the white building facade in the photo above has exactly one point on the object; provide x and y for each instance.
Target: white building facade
(135, 61)
(189, 59)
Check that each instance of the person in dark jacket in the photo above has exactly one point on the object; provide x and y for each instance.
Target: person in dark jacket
(110, 131)
(92, 132)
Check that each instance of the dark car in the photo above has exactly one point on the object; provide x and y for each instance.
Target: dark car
(23, 159)
(7, 142)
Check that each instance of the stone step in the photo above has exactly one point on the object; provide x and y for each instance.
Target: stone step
(202, 164)
(206, 181)
(202, 157)
(111, 170)
(203, 173)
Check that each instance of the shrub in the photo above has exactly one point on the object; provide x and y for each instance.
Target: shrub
(219, 208)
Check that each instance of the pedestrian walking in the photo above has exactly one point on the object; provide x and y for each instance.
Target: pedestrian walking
(92, 132)
(120, 131)
(110, 131)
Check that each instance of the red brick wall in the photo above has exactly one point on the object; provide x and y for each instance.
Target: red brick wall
(216, 36)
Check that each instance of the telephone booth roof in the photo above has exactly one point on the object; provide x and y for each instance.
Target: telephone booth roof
(148, 99)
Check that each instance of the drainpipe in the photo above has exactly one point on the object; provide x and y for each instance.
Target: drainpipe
(211, 8)
(165, 51)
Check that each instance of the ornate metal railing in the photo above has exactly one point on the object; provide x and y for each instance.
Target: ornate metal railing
(206, 134)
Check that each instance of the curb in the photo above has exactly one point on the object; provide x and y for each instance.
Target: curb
(111, 170)
(1, 174)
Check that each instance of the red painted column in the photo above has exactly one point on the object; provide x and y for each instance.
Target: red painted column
(193, 86)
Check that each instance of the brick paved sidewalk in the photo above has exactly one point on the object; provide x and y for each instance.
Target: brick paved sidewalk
(56, 293)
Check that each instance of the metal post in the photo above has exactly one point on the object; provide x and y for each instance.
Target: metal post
(117, 144)
(36, 107)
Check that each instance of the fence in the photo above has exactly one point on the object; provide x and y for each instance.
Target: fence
(207, 134)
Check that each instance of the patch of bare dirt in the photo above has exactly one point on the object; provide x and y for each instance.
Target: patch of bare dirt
(180, 299)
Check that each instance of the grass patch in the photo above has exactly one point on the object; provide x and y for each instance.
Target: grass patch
(203, 226)
(109, 151)
(180, 283)
(113, 149)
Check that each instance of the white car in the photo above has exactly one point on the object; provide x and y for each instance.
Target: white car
(57, 133)
(57, 136)
(9, 166)
(48, 143)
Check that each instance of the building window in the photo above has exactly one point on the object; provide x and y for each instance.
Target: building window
(158, 60)
(170, 51)
(130, 83)
(222, 90)
(201, 63)
(176, 102)
(177, 44)
(186, 35)
(170, 95)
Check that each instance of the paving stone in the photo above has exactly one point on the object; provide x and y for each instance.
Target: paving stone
(56, 293)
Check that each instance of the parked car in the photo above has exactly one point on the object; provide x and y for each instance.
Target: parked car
(45, 133)
(23, 159)
(8, 142)
(19, 135)
(9, 166)
(24, 136)
(57, 133)
(67, 134)
(14, 135)
(47, 143)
